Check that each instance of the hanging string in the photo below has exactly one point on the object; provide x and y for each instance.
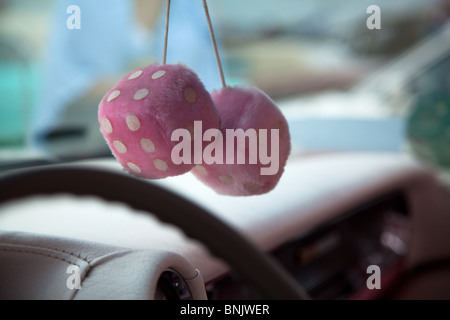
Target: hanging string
(166, 33)
(211, 32)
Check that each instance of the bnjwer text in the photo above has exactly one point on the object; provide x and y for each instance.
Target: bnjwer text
(240, 309)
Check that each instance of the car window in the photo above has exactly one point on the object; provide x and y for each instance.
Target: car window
(58, 58)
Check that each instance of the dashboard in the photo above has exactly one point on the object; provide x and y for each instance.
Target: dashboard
(331, 261)
(343, 226)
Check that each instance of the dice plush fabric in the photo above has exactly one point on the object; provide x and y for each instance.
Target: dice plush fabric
(138, 115)
(246, 108)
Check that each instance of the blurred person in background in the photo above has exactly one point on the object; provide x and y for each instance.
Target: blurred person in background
(114, 37)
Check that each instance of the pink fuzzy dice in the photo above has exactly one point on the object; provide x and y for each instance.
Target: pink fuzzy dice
(264, 144)
(137, 117)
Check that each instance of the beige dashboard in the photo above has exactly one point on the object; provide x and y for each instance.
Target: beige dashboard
(313, 192)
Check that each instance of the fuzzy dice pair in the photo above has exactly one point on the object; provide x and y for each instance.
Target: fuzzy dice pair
(139, 115)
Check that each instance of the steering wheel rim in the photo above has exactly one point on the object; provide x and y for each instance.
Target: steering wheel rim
(269, 279)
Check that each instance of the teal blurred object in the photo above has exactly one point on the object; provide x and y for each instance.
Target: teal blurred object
(12, 124)
(428, 128)
(18, 84)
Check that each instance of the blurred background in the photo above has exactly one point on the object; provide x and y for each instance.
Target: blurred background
(341, 85)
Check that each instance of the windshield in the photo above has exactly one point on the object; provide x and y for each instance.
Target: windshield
(58, 59)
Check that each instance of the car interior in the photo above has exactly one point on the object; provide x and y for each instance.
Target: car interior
(361, 210)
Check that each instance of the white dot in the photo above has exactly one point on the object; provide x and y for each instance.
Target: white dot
(106, 126)
(252, 186)
(147, 145)
(113, 95)
(190, 95)
(140, 94)
(119, 146)
(133, 123)
(158, 74)
(447, 133)
(226, 179)
(161, 165)
(134, 167)
(200, 169)
(135, 75)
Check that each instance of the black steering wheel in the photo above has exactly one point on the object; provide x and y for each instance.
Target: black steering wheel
(260, 271)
